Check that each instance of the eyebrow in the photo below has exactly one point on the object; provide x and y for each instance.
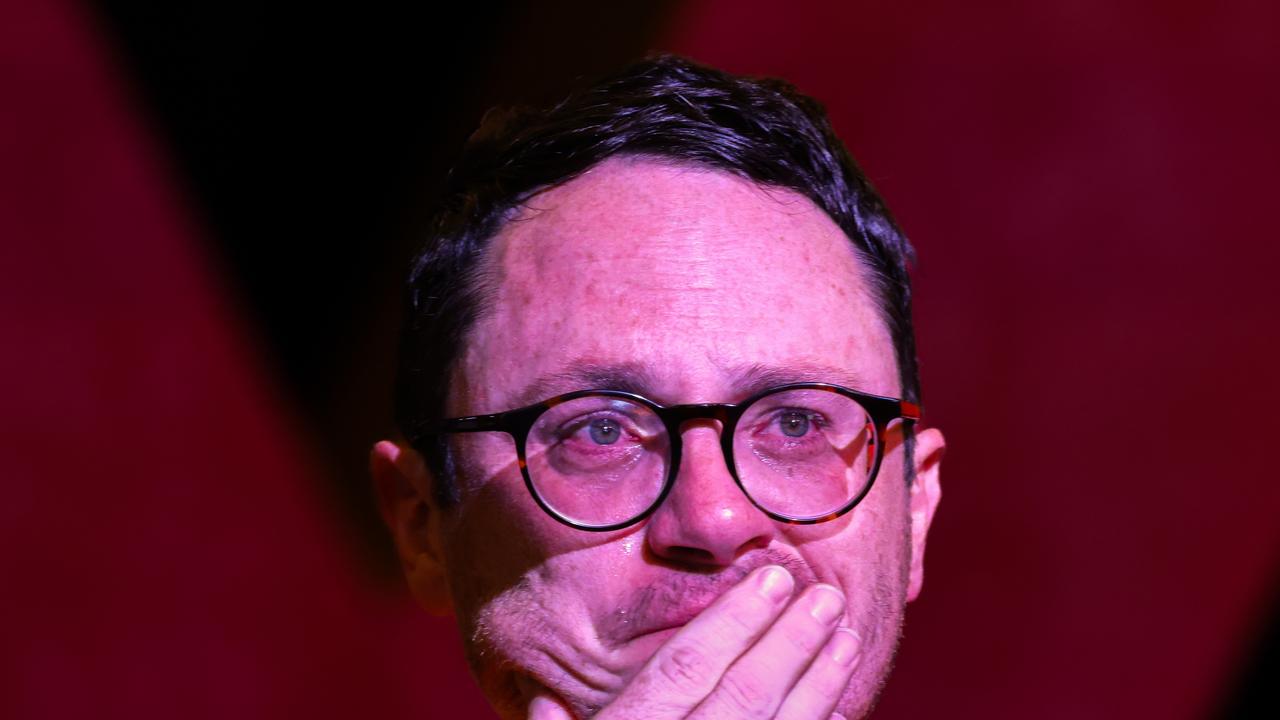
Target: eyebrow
(746, 380)
(751, 379)
(628, 377)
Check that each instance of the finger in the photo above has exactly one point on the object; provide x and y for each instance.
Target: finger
(544, 707)
(818, 691)
(756, 685)
(687, 667)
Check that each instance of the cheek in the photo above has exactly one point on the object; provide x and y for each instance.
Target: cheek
(866, 553)
(500, 544)
(529, 604)
(495, 535)
(531, 632)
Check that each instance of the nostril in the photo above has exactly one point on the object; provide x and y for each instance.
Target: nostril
(758, 542)
(710, 555)
(690, 555)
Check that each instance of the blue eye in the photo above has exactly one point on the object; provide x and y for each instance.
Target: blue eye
(793, 423)
(604, 431)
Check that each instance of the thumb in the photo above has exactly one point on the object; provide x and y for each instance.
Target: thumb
(546, 707)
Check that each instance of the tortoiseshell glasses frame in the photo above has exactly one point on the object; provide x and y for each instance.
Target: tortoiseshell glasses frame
(880, 412)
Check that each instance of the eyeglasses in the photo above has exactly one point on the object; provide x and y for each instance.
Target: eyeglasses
(601, 460)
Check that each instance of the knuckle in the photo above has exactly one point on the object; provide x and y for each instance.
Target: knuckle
(686, 668)
(807, 639)
(738, 620)
(745, 696)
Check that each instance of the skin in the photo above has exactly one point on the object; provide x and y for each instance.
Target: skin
(681, 281)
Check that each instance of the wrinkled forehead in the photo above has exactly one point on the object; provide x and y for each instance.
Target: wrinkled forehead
(682, 268)
(646, 215)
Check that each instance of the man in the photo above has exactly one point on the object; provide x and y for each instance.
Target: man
(658, 391)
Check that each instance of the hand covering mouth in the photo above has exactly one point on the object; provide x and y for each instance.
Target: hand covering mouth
(676, 597)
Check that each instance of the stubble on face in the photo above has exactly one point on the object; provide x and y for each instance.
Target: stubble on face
(527, 638)
(685, 271)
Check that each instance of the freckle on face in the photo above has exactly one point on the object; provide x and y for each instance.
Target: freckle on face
(685, 272)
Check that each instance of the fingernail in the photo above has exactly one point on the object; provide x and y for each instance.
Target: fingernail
(826, 604)
(844, 646)
(775, 583)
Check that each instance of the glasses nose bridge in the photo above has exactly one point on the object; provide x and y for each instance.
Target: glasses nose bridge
(677, 416)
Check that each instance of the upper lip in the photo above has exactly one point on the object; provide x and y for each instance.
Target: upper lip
(675, 598)
(663, 612)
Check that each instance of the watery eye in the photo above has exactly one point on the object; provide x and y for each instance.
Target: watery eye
(793, 424)
(604, 431)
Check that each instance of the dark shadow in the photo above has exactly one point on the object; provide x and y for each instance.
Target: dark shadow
(310, 145)
(1256, 690)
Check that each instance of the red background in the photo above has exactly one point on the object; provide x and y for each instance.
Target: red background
(1090, 188)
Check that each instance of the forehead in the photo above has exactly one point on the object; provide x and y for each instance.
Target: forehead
(686, 274)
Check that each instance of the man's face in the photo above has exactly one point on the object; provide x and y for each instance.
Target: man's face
(689, 284)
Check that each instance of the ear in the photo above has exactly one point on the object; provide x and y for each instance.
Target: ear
(925, 493)
(405, 498)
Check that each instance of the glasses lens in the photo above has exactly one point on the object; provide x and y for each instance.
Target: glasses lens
(598, 460)
(804, 454)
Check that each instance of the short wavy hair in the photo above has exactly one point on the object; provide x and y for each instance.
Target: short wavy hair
(667, 107)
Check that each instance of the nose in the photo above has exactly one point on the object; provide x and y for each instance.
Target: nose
(706, 520)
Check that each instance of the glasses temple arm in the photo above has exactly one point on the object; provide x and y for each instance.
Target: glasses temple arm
(473, 423)
(909, 410)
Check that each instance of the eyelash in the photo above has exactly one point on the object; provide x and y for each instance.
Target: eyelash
(812, 416)
(576, 425)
